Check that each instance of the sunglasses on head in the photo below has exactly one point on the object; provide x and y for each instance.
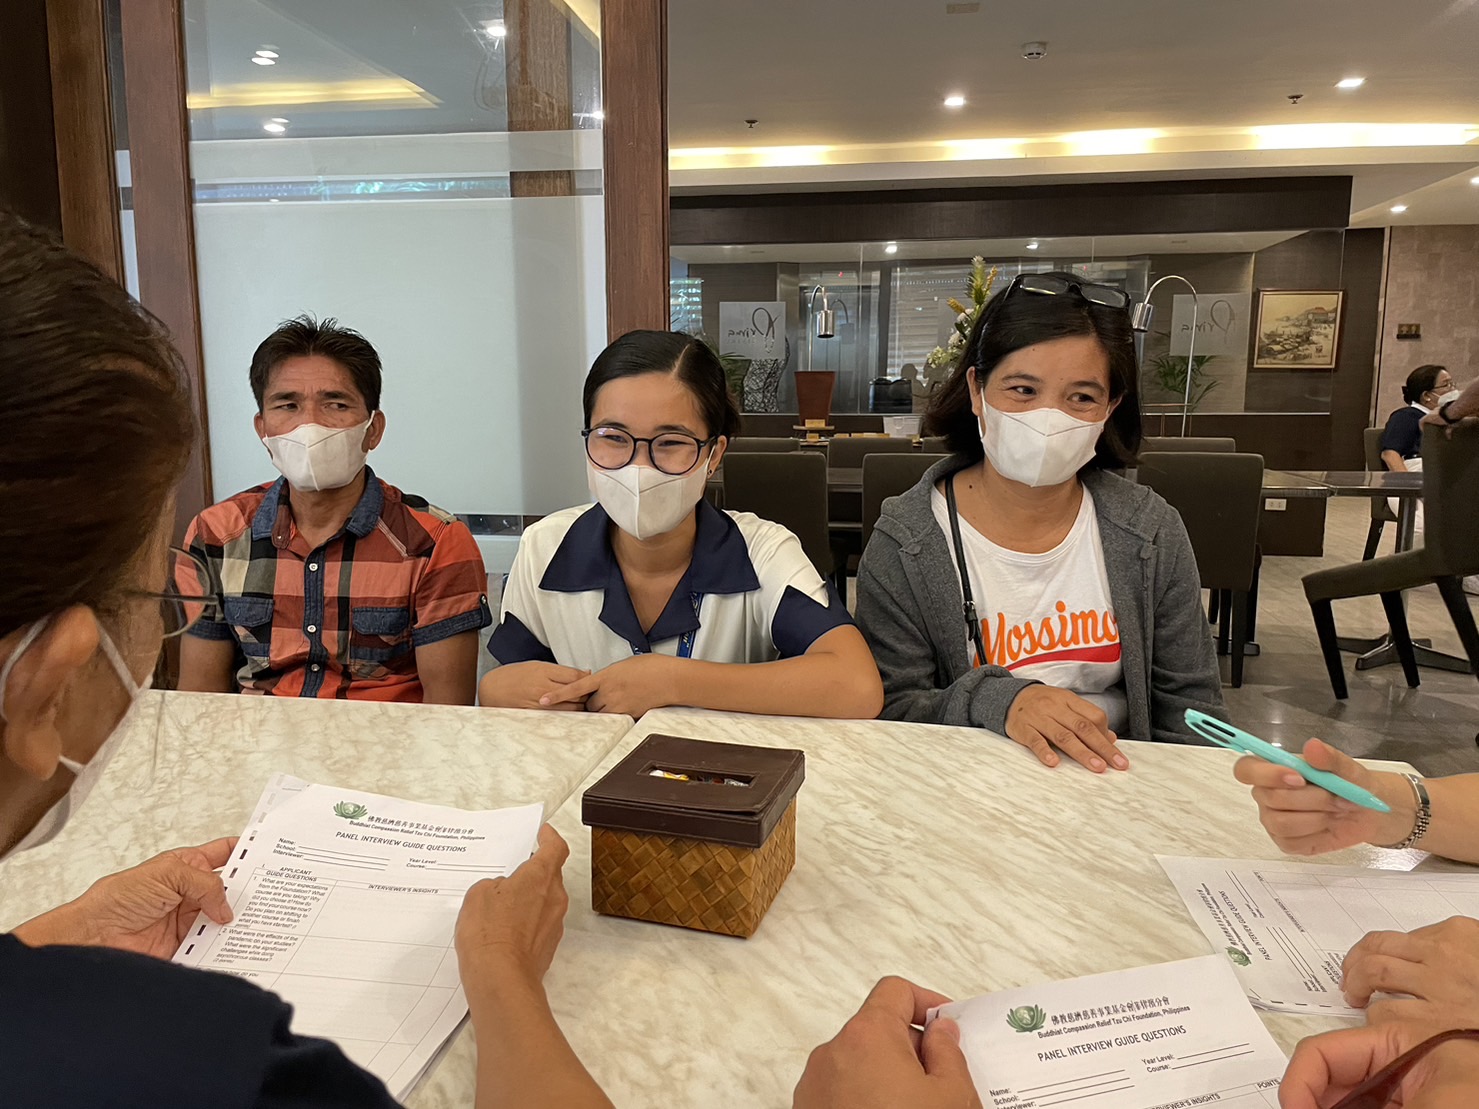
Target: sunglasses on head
(1058, 284)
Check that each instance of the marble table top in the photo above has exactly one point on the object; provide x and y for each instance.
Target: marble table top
(946, 855)
(194, 765)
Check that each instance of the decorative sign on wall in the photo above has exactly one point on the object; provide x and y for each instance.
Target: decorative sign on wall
(1409, 331)
(1297, 330)
(1222, 324)
(752, 329)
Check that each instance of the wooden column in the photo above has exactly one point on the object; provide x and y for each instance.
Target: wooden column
(164, 224)
(634, 79)
(82, 113)
(538, 45)
(28, 170)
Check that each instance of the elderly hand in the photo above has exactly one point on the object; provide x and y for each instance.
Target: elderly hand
(148, 908)
(631, 687)
(1304, 819)
(1437, 966)
(1043, 717)
(514, 924)
(1326, 1068)
(879, 1060)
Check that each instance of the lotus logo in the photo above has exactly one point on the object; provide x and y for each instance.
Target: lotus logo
(1239, 956)
(1027, 1018)
(349, 810)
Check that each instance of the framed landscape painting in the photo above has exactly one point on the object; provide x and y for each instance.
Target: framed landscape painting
(1297, 329)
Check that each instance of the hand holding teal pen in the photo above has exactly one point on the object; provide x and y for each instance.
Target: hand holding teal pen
(1244, 743)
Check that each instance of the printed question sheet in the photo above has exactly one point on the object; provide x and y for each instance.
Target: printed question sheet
(1285, 927)
(1156, 1037)
(345, 905)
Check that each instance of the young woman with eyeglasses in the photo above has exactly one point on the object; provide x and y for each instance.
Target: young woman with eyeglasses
(652, 596)
(1020, 586)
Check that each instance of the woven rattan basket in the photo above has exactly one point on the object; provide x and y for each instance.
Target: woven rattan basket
(693, 883)
(696, 834)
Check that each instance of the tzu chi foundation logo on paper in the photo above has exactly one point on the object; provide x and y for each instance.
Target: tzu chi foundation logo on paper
(1239, 956)
(350, 811)
(1026, 1018)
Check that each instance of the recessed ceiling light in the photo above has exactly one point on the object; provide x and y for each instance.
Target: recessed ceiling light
(495, 29)
(890, 248)
(274, 200)
(277, 119)
(1398, 209)
(955, 100)
(1474, 180)
(1033, 245)
(1350, 82)
(259, 60)
(272, 127)
(268, 52)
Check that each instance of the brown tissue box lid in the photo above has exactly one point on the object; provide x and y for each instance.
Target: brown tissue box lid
(631, 799)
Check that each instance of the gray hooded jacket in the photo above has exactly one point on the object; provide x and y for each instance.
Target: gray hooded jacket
(910, 611)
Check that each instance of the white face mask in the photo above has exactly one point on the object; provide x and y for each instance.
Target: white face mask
(1042, 446)
(1449, 397)
(88, 773)
(643, 501)
(314, 458)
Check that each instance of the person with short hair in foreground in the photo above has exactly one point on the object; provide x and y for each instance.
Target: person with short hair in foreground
(332, 582)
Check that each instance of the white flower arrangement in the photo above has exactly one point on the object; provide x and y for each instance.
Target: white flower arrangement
(978, 287)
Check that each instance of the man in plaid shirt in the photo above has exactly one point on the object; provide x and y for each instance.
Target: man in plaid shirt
(332, 582)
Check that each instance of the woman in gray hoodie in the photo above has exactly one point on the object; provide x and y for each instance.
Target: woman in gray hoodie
(1076, 619)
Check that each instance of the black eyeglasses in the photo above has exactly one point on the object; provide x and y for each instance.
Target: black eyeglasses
(1057, 284)
(672, 452)
(189, 594)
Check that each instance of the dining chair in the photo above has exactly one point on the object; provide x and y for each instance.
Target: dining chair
(1159, 444)
(888, 475)
(788, 489)
(1450, 552)
(1220, 498)
(1381, 509)
(848, 453)
(758, 444)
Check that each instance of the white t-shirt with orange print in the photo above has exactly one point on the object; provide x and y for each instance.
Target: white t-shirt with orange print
(1048, 616)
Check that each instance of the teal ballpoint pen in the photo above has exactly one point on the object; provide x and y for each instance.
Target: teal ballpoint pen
(1235, 739)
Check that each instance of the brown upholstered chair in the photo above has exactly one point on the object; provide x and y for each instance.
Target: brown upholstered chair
(1220, 498)
(1450, 552)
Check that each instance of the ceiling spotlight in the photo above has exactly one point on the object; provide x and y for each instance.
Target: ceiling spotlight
(268, 52)
(890, 248)
(955, 100)
(1350, 82)
(495, 29)
(1033, 245)
(259, 60)
(1398, 209)
(274, 127)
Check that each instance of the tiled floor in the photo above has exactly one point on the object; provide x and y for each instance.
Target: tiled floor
(1286, 693)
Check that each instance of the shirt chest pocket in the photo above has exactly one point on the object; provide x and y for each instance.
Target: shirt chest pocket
(251, 619)
(377, 637)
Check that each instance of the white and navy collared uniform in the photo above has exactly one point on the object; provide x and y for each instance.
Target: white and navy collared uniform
(749, 595)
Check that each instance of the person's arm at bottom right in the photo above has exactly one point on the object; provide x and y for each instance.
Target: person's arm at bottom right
(1326, 1068)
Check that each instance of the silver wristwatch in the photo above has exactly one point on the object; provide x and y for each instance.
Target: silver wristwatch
(1424, 815)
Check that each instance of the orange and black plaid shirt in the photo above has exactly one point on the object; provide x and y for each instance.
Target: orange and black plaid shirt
(343, 619)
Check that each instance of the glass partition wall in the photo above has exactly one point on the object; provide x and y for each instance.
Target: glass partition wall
(429, 175)
(894, 318)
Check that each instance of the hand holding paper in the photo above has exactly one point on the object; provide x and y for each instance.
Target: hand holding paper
(1435, 969)
(879, 1060)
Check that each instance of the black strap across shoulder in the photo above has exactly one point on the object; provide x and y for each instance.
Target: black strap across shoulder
(968, 609)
